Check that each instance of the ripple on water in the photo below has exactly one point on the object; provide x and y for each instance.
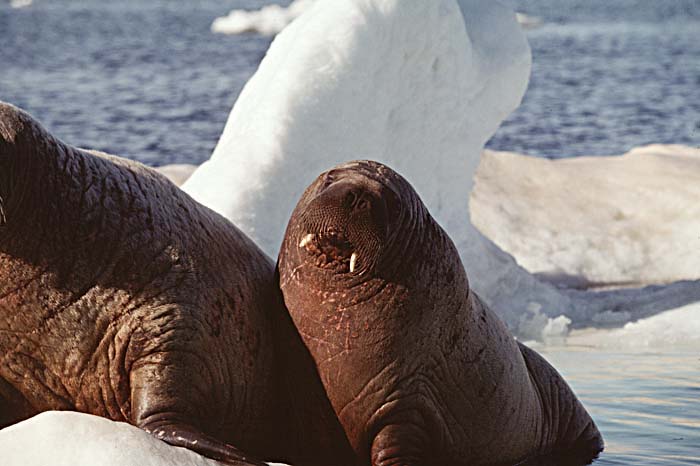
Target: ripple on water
(646, 404)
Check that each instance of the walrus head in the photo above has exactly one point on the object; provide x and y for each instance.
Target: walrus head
(348, 219)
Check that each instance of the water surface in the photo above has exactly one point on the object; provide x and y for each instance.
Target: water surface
(646, 403)
(150, 81)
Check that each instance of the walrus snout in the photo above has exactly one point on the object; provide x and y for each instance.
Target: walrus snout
(345, 223)
(353, 199)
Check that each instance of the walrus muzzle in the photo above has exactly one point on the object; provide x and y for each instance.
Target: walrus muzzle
(344, 226)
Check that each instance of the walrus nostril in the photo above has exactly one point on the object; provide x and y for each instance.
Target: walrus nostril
(351, 198)
(362, 203)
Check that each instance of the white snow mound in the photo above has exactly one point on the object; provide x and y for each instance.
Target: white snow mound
(625, 220)
(66, 438)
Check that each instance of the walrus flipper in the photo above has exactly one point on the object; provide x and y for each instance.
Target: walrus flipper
(570, 429)
(183, 435)
(171, 382)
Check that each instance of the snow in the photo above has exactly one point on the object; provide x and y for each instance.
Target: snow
(625, 220)
(271, 19)
(66, 438)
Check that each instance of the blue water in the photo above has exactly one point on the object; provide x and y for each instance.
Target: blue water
(148, 80)
(608, 75)
(646, 404)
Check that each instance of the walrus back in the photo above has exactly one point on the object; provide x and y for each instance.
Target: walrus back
(96, 250)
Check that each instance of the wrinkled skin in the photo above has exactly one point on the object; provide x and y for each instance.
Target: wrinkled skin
(122, 297)
(417, 369)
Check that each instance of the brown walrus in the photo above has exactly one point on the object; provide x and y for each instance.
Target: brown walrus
(417, 369)
(122, 297)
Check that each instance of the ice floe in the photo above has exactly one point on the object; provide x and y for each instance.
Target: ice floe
(585, 222)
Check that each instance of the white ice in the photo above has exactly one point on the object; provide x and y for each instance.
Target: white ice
(672, 331)
(595, 221)
(271, 19)
(268, 21)
(675, 330)
(528, 21)
(420, 86)
(66, 438)
(17, 4)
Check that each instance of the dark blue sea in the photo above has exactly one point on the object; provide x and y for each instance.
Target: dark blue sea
(147, 79)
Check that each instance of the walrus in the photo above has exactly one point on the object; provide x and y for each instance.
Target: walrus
(418, 369)
(120, 296)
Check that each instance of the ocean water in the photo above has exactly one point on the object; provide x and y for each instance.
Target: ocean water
(608, 75)
(148, 80)
(646, 403)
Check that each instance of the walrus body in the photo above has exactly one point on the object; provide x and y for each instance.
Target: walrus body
(417, 369)
(120, 296)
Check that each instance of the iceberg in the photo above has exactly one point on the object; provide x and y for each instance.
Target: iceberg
(528, 21)
(356, 79)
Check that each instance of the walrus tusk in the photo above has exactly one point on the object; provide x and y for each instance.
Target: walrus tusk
(306, 240)
(353, 261)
